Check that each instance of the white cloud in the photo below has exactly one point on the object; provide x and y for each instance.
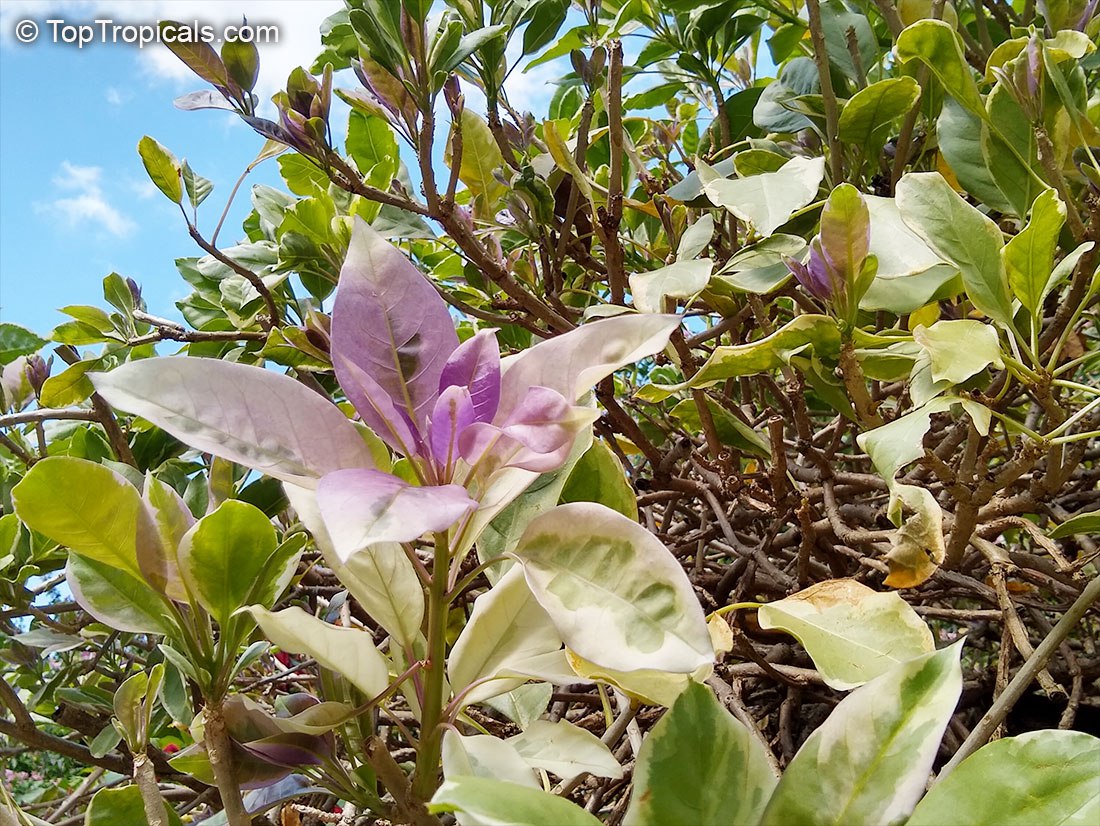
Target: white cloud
(298, 30)
(87, 204)
(144, 189)
(117, 97)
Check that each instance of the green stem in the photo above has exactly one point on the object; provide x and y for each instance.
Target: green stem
(219, 750)
(431, 740)
(736, 606)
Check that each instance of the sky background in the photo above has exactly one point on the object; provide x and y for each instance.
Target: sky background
(75, 202)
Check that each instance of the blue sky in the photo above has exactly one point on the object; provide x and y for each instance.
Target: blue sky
(75, 202)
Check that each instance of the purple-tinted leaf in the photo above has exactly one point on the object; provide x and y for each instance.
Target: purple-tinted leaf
(287, 705)
(291, 750)
(572, 363)
(363, 507)
(388, 321)
(845, 231)
(367, 395)
(270, 130)
(452, 414)
(202, 99)
(476, 365)
(537, 435)
(199, 57)
(254, 417)
(288, 788)
(812, 275)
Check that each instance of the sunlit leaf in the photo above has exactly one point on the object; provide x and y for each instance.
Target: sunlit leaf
(699, 765)
(1038, 777)
(506, 626)
(499, 803)
(961, 234)
(869, 761)
(615, 594)
(767, 200)
(851, 632)
(347, 651)
(959, 348)
(225, 554)
(1029, 255)
(250, 416)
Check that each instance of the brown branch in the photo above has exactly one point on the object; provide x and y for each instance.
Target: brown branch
(251, 277)
(610, 219)
(828, 96)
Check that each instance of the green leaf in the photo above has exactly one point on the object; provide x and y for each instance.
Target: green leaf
(506, 627)
(836, 20)
(851, 632)
(758, 268)
(224, 555)
(70, 386)
(1038, 777)
(163, 168)
(546, 18)
(347, 651)
(959, 349)
(731, 430)
(868, 115)
(111, 807)
(959, 133)
(768, 353)
(613, 591)
(116, 598)
(869, 761)
(937, 45)
(84, 506)
(242, 63)
(481, 158)
(383, 580)
(1086, 523)
(197, 186)
(104, 742)
(1029, 256)
(699, 765)
(16, 341)
(599, 477)
(899, 442)
(301, 175)
(767, 200)
(373, 147)
(1011, 151)
(681, 279)
(117, 292)
(959, 233)
(507, 804)
(282, 566)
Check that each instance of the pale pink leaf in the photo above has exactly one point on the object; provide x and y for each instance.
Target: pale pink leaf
(389, 321)
(254, 417)
(363, 507)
